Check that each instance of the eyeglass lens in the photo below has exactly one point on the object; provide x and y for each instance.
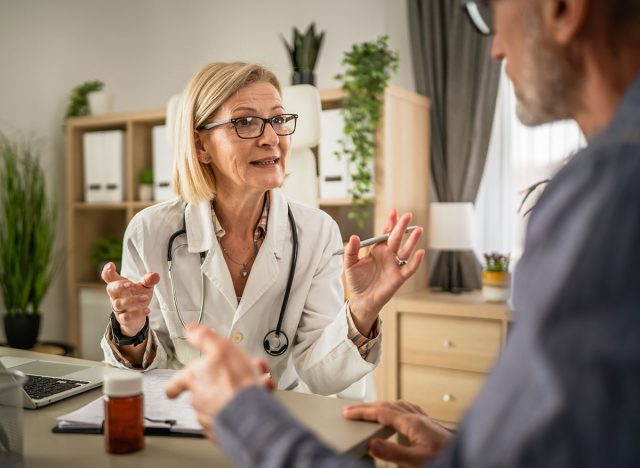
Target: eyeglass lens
(252, 127)
(481, 15)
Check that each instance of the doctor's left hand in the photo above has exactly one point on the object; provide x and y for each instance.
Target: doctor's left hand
(375, 278)
(214, 379)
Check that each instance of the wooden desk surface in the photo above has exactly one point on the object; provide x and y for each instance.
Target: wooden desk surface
(42, 448)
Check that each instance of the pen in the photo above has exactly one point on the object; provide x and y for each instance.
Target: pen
(375, 240)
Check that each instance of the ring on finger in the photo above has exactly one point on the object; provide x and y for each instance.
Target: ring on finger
(400, 261)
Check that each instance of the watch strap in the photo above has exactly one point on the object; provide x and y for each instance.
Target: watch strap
(121, 340)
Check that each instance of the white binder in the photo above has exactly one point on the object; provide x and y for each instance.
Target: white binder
(104, 166)
(334, 176)
(162, 164)
(114, 165)
(94, 183)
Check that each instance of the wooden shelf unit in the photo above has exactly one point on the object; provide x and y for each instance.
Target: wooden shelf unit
(401, 180)
(439, 348)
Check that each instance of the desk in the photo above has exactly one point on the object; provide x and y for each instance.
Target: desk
(42, 448)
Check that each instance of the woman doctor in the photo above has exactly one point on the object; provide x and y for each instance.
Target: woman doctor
(236, 243)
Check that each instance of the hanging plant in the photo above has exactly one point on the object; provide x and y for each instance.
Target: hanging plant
(369, 67)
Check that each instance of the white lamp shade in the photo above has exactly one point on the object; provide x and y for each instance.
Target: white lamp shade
(450, 226)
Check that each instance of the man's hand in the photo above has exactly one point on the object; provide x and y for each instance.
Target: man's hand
(426, 437)
(214, 379)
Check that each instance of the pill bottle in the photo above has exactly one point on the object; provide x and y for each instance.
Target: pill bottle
(123, 412)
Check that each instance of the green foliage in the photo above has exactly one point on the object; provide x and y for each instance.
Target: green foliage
(369, 69)
(78, 104)
(146, 176)
(27, 228)
(496, 262)
(304, 48)
(106, 249)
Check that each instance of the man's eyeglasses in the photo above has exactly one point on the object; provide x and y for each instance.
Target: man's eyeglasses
(253, 127)
(480, 14)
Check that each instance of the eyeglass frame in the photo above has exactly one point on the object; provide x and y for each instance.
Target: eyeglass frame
(233, 121)
(479, 23)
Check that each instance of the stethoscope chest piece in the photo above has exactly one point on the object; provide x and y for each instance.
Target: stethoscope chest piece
(275, 343)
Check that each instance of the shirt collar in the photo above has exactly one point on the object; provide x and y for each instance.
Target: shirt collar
(260, 231)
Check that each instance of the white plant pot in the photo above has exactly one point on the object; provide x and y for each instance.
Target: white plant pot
(145, 192)
(100, 102)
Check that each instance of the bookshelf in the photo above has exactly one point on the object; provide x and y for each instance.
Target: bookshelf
(401, 170)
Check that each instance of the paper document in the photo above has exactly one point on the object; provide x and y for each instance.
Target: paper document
(159, 411)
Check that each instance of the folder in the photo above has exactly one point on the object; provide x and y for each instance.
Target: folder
(162, 164)
(104, 166)
(162, 415)
(94, 189)
(334, 176)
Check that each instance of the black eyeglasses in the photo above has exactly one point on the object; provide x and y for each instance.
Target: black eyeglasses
(480, 14)
(252, 126)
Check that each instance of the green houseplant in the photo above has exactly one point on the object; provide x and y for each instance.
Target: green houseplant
(369, 67)
(27, 236)
(303, 54)
(78, 104)
(106, 249)
(145, 184)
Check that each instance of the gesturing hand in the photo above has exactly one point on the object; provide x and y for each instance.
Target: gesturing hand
(426, 437)
(374, 279)
(129, 301)
(223, 370)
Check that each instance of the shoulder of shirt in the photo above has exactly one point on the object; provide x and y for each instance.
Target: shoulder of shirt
(152, 217)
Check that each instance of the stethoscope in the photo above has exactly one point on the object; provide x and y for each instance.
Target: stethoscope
(275, 342)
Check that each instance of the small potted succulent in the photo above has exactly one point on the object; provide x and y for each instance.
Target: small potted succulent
(104, 250)
(145, 185)
(496, 279)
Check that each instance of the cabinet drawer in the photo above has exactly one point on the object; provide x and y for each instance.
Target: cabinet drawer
(444, 394)
(450, 342)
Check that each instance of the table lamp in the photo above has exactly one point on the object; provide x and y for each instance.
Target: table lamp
(451, 233)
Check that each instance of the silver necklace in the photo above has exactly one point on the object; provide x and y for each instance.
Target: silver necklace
(244, 271)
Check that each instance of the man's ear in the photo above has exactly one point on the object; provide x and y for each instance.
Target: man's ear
(203, 155)
(564, 18)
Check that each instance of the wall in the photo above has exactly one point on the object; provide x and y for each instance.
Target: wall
(146, 50)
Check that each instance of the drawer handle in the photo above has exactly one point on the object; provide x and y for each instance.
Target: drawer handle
(447, 397)
(447, 344)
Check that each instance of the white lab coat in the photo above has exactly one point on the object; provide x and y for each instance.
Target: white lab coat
(320, 359)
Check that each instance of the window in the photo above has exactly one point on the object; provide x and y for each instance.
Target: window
(518, 157)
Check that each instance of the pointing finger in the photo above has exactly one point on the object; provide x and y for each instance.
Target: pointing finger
(178, 384)
(150, 280)
(203, 338)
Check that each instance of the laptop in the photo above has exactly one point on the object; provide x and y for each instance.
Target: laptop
(51, 381)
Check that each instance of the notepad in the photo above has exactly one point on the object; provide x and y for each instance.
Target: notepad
(160, 413)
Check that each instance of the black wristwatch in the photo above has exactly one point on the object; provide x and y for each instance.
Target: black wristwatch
(120, 340)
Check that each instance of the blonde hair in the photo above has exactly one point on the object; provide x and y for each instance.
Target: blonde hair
(194, 181)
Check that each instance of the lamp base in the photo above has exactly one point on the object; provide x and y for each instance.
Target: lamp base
(456, 272)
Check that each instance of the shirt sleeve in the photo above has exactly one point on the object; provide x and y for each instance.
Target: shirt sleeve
(363, 343)
(149, 352)
(255, 430)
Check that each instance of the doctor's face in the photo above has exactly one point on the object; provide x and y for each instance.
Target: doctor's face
(246, 165)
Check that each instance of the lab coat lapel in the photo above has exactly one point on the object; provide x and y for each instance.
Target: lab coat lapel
(200, 236)
(269, 262)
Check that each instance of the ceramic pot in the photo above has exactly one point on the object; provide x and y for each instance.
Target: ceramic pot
(145, 192)
(303, 77)
(100, 102)
(496, 286)
(22, 330)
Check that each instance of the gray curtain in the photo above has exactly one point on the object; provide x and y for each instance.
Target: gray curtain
(452, 67)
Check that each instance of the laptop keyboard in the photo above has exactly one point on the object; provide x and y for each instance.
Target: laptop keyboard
(42, 387)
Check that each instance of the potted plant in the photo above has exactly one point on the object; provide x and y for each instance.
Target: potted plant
(369, 69)
(303, 54)
(27, 235)
(496, 279)
(145, 184)
(106, 249)
(78, 104)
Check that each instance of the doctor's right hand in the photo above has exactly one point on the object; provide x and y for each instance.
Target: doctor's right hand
(129, 301)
